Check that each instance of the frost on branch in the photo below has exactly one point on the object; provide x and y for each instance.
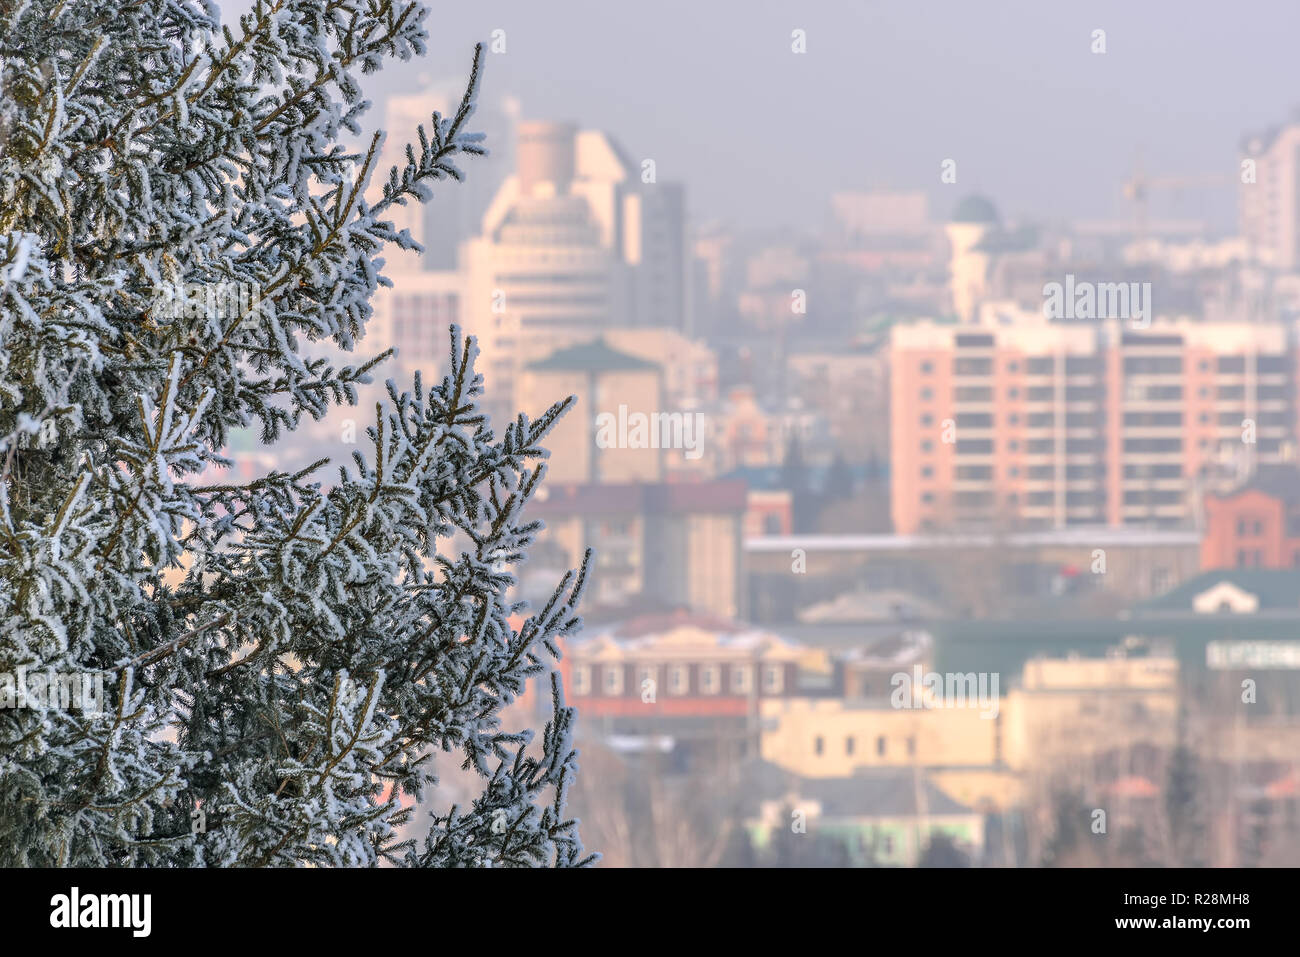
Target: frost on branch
(281, 658)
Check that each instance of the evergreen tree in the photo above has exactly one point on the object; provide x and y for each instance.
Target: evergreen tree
(1183, 802)
(839, 484)
(796, 478)
(942, 851)
(282, 657)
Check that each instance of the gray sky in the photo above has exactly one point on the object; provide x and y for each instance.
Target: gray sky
(888, 89)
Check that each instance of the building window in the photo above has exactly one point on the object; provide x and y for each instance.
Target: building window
(678, 679)
(927, 394)
(880, 746)
(613, 679)
(773, 679)
(742, 679)
(927, 445)
(927, 368)
(848, 745)
(709, 679)
(1013, 393)
(582, 680)
(927, 420)
(1161, 581)
(818, 745)
(927, 471)
(646, 673)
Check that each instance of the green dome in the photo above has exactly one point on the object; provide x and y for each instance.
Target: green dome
(975, 209)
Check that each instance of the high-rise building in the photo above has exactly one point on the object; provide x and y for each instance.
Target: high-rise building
(1056, 424)
(1270, 204)
(573, 244)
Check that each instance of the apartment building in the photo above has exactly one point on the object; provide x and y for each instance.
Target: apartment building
(1057, 424)
(1270, 198)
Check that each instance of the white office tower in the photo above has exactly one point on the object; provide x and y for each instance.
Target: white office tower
(1270, 196)
(573, 245)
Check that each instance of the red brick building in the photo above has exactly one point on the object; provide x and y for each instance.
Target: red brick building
(1257, 525)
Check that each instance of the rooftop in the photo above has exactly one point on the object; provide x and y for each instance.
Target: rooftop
(975, 209)
(1277, 589)
(639, 498)
(593, 356)
(869, 793)
(1278, 480)
(1089, 536)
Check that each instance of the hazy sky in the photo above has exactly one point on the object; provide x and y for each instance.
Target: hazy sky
(888, 89)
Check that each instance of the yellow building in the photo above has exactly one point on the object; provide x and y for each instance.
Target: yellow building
(1059, 710)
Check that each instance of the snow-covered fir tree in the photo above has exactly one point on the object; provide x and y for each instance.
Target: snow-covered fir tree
(282, 659)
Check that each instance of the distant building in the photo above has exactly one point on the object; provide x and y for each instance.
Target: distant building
(864, 215)
(607, 383)
(1063, 423)
(1270, 205)
(1256, 525)
(575, 243)
(414, 317)
(973, 220)
(885, 817)
(455, 212)
(1019, 565)
(841, 386)
(769, 512)
(697, 680)
(680, 543)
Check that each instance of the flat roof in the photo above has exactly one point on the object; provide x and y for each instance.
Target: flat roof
(1083, 536)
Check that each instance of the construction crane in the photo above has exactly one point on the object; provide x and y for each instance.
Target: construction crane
(1138, 191)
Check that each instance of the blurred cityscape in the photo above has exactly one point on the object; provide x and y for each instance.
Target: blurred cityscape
(931, 538)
